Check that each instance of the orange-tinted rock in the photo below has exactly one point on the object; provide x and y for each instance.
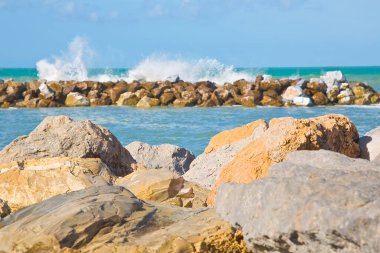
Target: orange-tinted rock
(284, 135)
(230, 136)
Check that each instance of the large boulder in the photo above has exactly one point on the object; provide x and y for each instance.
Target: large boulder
(112, 219)
(205, 169)
(60, 136)
(164, 156)
(23, 183)
(164, 186)
(284, 135)
(370, 145)
(314, 201)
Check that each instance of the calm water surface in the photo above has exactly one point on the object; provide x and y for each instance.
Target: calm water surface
(191, 128)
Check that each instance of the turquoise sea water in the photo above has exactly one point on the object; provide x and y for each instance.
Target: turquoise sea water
(191, 128)
(371, 75)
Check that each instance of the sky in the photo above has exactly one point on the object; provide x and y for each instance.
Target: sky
(244, 33)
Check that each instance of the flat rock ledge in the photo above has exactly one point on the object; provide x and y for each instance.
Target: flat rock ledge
(330, 89)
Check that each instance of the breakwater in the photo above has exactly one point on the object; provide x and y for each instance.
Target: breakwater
(330, 89)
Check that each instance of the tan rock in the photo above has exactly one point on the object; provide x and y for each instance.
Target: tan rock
(148, 102)
(111, 219)
(163, 186)
(320, 98)
(76, 99)
(27, 182)
(230, 136)
(61, 136)
(331, 132)
(127, 98)
(166, 98)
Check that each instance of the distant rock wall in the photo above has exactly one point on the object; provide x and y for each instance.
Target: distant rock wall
(330, 89)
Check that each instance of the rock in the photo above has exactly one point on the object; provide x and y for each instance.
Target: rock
(302, 101)
(331, 77)
(127, 98)
(370, 145)
(206, 168)
(290, 93)
(115, 91)
(322, 201)
(166, 98)
(180, 102)
(76, 99)
(156, 185)
(284, 135)
(164, 156)
(4, 209)
(317, 85)
(164, 186)
(27, 182)
(112, 219)
(45, 91)
(270, 101)
(60, 136)
(248, 101)
(228, 137)
(148, 102)
(320, 98)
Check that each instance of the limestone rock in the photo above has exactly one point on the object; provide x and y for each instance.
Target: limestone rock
(127, 98)
(230, 136)
(302, 101)
(206, 168)
(111, 219)
(164, 186)
(331, 77)
(27, 182)
(370, 145)
(284, 135)
(60, 136)
(315, 201)
(148, 102)
(164, 156)
(76, 99)
(290, 93)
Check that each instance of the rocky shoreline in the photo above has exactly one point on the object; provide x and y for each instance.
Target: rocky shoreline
(288, 185)
(330, 89)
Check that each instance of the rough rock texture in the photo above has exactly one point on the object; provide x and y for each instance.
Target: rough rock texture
(76, 99)
(61, 136)
(230, 136)
(315, 201)
(112, 219)
(370, 145)
(284, 135)
(164, 186)
(23, 183)
(205, 169)
(165, 156)
(4, 209)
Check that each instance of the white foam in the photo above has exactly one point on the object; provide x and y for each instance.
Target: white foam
(70, 66)
(161, 67)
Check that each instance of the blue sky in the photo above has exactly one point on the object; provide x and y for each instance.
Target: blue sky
(251, 33)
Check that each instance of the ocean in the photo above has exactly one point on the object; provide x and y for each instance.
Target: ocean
(191, 128)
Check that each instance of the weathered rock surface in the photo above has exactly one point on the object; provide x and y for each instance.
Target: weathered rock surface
(164, 156)
(23, 183)
(60, 136)
(370, 145)
(112, 219)
(76, 99)
(284, 135)
(164, 186)
(314, 201)
(206, 168)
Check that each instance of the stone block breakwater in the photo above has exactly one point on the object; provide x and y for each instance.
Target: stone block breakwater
(330, 89)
